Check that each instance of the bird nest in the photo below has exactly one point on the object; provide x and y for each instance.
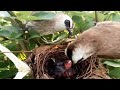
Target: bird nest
(39, 62)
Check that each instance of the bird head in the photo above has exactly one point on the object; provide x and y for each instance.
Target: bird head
(82, 48)
(58, 68)
(62, 22)
(59, 22)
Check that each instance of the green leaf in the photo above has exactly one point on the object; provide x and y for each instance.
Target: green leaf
(82, 23)
(55, 36)
(11, 28)
(12, 46)
(10, 32)
(3, 63)
(15, 35)
(25, 16)
(112, 63)
(114, 72)
(62, 35)
(77, 19)
(88, 24)
(48, 37)
(79, 23)
(11, 20)
(75, 13)
(31, 45)
(45, 15)
(33, 34)
(4, 74)
(100, 17)
(116, 17)
(5, 33)
(25, 13)
(28, 18)
(7, 69)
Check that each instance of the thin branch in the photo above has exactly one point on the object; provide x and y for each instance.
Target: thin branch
(96, 17)
(24, 46)
(17, 52)
(21, 25)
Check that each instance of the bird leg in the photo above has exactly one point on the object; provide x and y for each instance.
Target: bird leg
(23, 68)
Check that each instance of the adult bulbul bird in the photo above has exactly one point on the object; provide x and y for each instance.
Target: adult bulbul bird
(102, 40)
(58, 23)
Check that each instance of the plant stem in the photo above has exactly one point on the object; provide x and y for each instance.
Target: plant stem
(24, 46)
(96, 17)
(21, 25)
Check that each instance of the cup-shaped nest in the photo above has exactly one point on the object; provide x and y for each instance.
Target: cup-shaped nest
(43, 65)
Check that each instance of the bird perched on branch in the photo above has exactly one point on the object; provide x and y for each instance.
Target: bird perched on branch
(102, 40)
(58, 23)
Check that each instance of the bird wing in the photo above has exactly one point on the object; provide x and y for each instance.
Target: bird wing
(42, 26)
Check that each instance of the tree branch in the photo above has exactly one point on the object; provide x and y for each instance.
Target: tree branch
(21, 25)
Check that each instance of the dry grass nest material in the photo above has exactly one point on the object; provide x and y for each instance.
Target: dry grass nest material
(91, 68)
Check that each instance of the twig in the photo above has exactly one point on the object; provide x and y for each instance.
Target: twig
(96, 17)
(21, 25)
(17, 52)
(24, 46)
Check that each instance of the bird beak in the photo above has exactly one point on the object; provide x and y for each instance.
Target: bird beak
(70, 31)
(82, 59)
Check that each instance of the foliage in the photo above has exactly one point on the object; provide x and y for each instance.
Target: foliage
(12, 26)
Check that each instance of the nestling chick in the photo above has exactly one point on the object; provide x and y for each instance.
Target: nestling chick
(58, 69)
